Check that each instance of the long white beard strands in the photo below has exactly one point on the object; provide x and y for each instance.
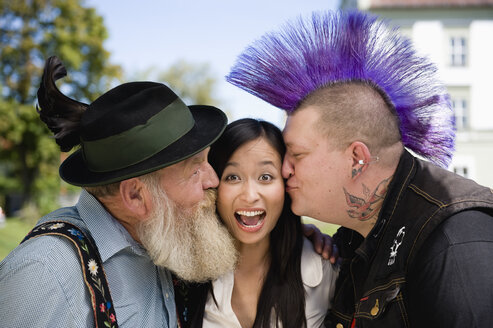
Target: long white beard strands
(194, 245)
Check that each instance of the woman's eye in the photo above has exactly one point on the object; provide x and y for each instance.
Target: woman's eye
(265, 177)
(232, 177)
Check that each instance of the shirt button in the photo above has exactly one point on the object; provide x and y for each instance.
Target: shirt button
(167, 295)
(339, 325)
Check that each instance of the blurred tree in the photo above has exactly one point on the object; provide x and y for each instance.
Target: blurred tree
(194, 83)
(30, 32)
(348, 4)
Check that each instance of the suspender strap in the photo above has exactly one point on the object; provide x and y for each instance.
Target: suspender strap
(190, 299)
(92, 268)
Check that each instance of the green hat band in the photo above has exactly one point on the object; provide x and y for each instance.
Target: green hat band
(140, 142)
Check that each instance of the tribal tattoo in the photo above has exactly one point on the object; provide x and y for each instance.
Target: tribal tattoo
(365, 208)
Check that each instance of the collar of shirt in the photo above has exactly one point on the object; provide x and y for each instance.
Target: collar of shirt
(403, 174)
(223, 315)
(311, 274)
(104, 228)
(311, 265)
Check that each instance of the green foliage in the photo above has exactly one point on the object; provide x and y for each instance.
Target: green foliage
(30, 155)
(30, 32)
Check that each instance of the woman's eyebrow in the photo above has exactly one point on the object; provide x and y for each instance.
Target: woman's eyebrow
(265, 163)
(234, 164)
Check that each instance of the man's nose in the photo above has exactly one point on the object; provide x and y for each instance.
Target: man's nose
(287, 169)
(210, 179)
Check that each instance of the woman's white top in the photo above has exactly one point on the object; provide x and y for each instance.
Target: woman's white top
(318, 277)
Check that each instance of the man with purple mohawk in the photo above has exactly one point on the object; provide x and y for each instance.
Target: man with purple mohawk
(416, 240)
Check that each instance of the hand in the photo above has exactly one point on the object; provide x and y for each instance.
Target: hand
(322, 244)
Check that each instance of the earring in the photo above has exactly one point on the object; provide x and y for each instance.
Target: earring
(372, 159)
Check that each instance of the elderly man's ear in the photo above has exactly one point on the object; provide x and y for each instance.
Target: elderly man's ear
(361, 157)
(136, 198)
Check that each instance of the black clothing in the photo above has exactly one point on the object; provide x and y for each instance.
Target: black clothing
(190, 299)
(462, 253)
(426, 263)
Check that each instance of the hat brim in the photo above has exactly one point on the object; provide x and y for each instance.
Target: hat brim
(210, 122)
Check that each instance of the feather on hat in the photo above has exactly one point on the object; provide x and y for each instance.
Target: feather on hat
(284, 67)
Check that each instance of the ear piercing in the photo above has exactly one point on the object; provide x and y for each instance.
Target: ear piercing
(357, 171)
(372, 159)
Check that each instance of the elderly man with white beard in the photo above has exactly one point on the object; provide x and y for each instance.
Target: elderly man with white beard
(146, 211)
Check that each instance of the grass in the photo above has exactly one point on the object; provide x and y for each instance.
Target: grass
(326, 228)
(11, 234)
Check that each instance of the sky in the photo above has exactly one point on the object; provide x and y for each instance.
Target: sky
(157, 33)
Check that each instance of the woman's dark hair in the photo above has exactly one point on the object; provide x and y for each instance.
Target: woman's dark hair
(282, 290)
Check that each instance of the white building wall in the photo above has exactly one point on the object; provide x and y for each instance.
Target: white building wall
(474, 150)
(481, 66)
(425, 36)
(430, 31)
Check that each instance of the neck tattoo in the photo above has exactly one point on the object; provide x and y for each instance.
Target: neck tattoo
(368, 206)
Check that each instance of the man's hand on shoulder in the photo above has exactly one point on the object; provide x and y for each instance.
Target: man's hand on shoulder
(322, 244)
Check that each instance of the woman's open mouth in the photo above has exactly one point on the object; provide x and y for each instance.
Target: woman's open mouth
(250, 221)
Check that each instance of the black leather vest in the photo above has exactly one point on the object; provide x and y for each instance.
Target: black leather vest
(371, 289)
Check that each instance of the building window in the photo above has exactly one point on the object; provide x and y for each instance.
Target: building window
(458, 51)
(460, 98)
(462, 170)
(464, 165)
(460, 111)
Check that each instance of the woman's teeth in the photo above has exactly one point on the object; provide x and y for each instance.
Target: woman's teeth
(250, 213)
(250, 218)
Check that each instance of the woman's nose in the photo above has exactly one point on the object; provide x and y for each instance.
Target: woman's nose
(250, 192)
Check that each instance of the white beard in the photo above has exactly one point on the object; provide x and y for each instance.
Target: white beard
(194, 245)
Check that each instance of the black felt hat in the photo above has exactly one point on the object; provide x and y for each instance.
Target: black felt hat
(134, 129)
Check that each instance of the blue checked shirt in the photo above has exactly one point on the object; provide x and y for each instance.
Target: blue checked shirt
(41, 283)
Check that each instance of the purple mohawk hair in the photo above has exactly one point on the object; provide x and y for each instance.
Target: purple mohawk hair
(284, 67)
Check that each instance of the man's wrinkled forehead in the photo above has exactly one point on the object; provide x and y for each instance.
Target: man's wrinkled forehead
(198, 158)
